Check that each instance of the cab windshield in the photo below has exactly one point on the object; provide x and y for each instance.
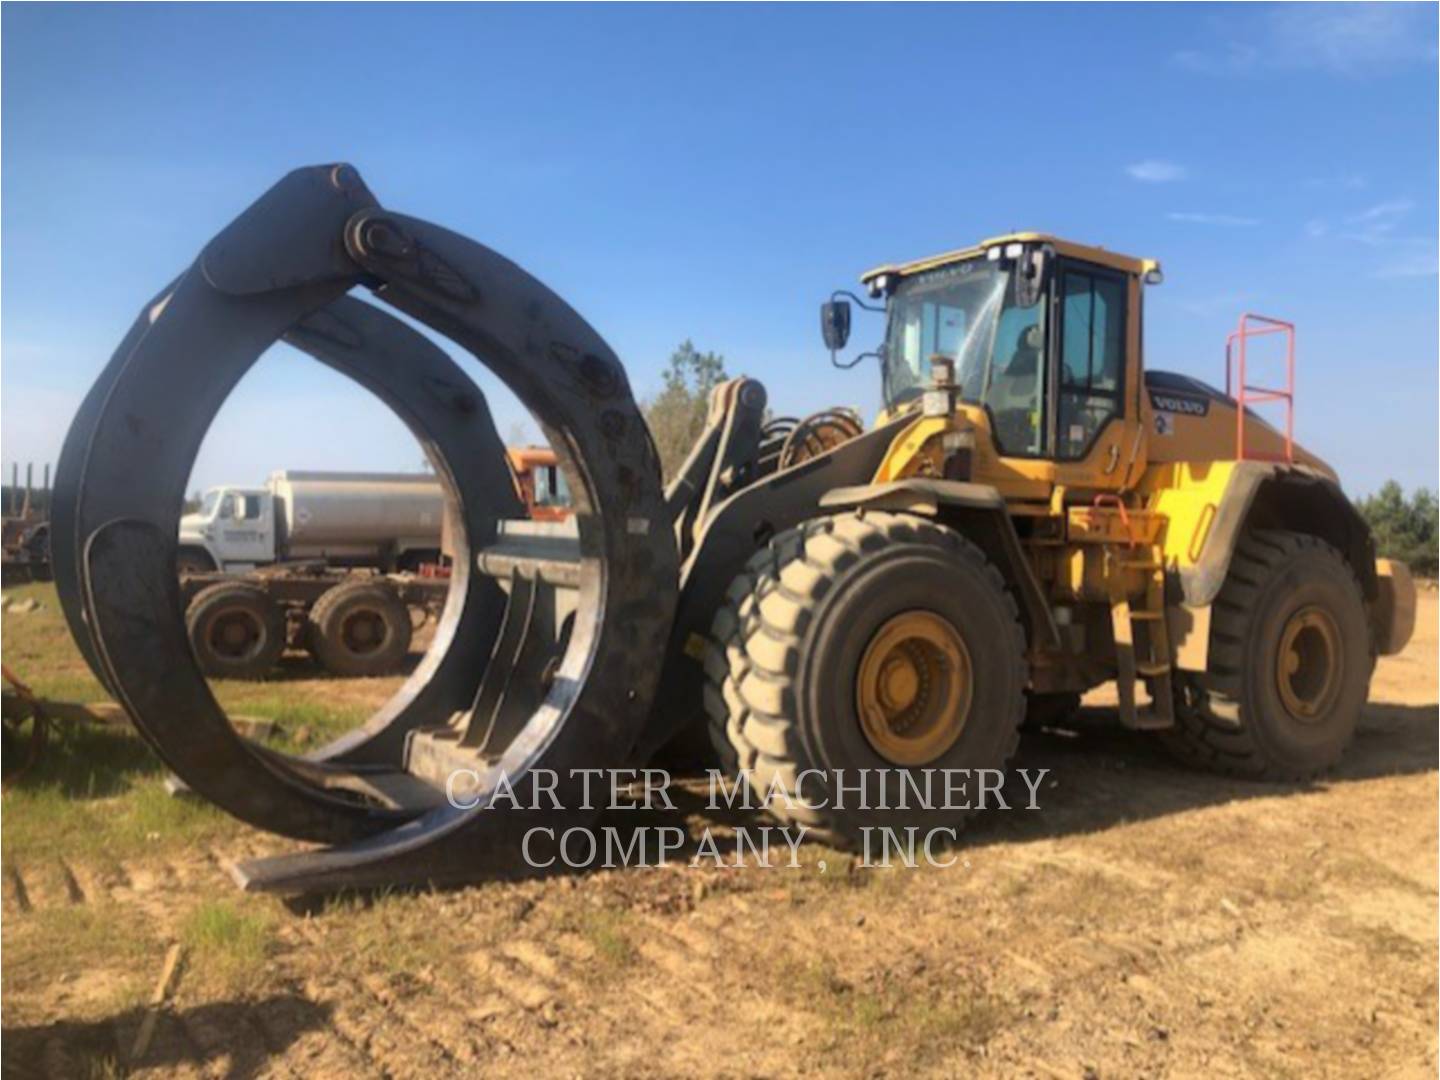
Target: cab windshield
(967, 312)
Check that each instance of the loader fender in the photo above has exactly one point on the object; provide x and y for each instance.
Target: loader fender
(978, 512)
(1268, 495)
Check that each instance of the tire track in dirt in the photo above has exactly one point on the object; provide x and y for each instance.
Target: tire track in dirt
(291, 1036)
(365, 1022)
(16, 894)
(371, 1052)
(45, 883)
(591, 997)
(73, 892)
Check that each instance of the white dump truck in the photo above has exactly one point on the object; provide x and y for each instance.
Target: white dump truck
(336, 563)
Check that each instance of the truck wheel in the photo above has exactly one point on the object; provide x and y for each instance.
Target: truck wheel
(236, 630)
(1289, 668)
(193, 561)
(875, 642)
(360, 628)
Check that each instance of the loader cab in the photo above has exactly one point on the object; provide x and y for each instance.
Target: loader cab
(1044, 340)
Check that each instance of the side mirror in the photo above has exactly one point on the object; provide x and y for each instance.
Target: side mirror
(835, 324)
(1031, 270)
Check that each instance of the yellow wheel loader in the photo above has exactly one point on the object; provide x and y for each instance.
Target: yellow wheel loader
(833, 612)
(1047, 515)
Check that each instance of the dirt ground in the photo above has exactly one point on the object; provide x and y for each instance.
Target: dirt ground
(1146, 921)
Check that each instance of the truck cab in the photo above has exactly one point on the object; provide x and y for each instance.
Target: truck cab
(234, 529)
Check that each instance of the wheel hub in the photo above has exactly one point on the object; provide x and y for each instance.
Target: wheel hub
(1308, 664)
(364, 631)
(899, 683)
(235, 634)
(913, 688)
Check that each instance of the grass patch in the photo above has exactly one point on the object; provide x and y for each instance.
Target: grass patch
(226, 945)
(386, 932)
(97, 790)
(301, 726)
(868, 1023)
(104, 942)
(105, 1067)
(606, 932)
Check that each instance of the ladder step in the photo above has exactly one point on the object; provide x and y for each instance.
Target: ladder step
(1148, 616)
(1159, 668)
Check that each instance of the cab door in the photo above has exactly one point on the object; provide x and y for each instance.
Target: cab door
(1095, 426)
(246, 524)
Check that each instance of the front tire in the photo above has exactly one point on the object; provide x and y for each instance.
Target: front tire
(872, 641)
(1289, 664)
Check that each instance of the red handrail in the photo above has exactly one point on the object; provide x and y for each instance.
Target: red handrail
(1252, 325)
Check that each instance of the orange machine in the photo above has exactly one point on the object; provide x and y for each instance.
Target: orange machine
(540, 482)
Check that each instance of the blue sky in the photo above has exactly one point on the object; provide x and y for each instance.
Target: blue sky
(713, 172)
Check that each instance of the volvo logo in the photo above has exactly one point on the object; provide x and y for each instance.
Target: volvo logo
(1180, 403)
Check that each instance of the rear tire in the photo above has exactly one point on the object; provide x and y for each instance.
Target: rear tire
(1289, 664)
(799, 630)
(359, 629)
(236, 630)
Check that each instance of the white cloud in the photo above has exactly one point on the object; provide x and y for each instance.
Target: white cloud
(1153, 171)
(1350, 38)
(1379, 227)
(1376, 224)
(1343, 39)
(1228, 220)
(1382, 211)
(1415, 264)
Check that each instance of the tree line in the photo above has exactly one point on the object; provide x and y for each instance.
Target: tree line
(1406, 529)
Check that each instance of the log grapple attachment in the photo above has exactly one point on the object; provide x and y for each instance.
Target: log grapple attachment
(545, 657)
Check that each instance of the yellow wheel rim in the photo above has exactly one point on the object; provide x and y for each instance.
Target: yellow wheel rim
(1308, 666)
(913, 688)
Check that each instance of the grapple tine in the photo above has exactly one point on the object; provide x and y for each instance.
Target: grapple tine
(514, 631)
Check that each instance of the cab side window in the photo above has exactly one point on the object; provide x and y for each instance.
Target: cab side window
(1092, 358)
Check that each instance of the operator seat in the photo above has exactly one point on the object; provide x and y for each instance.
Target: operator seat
(1013, 396)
